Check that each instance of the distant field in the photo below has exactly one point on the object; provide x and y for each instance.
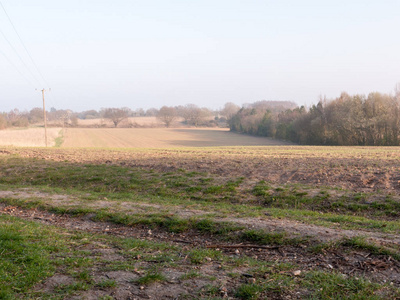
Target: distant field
(159, 138)
(29, 137)
(139, 121)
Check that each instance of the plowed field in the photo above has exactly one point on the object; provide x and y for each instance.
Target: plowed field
(159, 138)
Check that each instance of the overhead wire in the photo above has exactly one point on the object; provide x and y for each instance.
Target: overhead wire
(23, 45)
(33, 63)
(19, 56)
(52, 97)
(16, 68)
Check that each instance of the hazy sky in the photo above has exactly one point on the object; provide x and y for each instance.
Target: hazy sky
(149, 53)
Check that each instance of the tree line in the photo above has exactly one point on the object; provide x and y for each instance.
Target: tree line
(190, 115)
(372, 120)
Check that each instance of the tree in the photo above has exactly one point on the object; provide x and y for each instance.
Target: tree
(193, 114)
(116, 115)
(88, 114)
(35, 115)
(167, 115)
(151, 112)
(74, 121)
(230, 109)
(3, 121)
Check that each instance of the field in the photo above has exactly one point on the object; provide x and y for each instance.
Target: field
(237, 222)
(28, 137)
(159, 138)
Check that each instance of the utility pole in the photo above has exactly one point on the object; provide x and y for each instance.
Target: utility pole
(44, 118)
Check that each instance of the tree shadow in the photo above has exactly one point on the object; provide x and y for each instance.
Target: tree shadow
(222, 138)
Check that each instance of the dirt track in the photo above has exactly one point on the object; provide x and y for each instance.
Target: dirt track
(355, 262)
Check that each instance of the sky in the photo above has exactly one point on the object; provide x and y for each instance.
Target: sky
(150, 53)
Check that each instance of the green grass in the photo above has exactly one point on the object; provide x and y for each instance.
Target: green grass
(59, 140)
(336, 286)
(177, 187)
(25, 256)
(151, 277)
(190, 275)
(361, 243)
(248, 291)
(225, 196)
(199, 256)
(107, 284)
(32, 252)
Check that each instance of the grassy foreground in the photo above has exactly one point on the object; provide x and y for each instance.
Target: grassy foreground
(214, 205)
(32, 253)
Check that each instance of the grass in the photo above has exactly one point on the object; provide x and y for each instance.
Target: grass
(362, 243)
(336, 286)
(180, 187)
(151, 277)
(184, 201)
(32, 252)
(59, 140)
(248, 291)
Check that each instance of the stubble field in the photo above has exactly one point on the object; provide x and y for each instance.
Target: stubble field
(28, 137)
(159, 138)
(255, 222)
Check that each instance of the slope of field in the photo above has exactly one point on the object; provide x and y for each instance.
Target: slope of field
(159, 138)
(28, 137)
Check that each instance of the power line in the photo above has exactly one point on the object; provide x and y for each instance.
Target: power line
(16, 68)
(20, 58)
(23, 44)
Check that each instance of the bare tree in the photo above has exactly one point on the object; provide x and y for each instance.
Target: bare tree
(3, 121)
(116, 115)
(193, 114)
(167, 115)
(230, 109)
(35, 115)
(151, 112)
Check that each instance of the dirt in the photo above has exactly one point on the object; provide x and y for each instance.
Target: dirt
(294, 228)
(377, 268)
(359, 170)
(160, 138)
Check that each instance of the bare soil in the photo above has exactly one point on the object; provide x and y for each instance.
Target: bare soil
(159, 138)
(374, 170)
(353, 168)
(294, 228)
(377, 268)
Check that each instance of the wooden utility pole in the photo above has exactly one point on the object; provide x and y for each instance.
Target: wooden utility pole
(44, 118)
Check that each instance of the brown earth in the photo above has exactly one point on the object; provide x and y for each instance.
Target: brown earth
(377, 268)
(294, 228)
(160, 138)
(355, 168)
